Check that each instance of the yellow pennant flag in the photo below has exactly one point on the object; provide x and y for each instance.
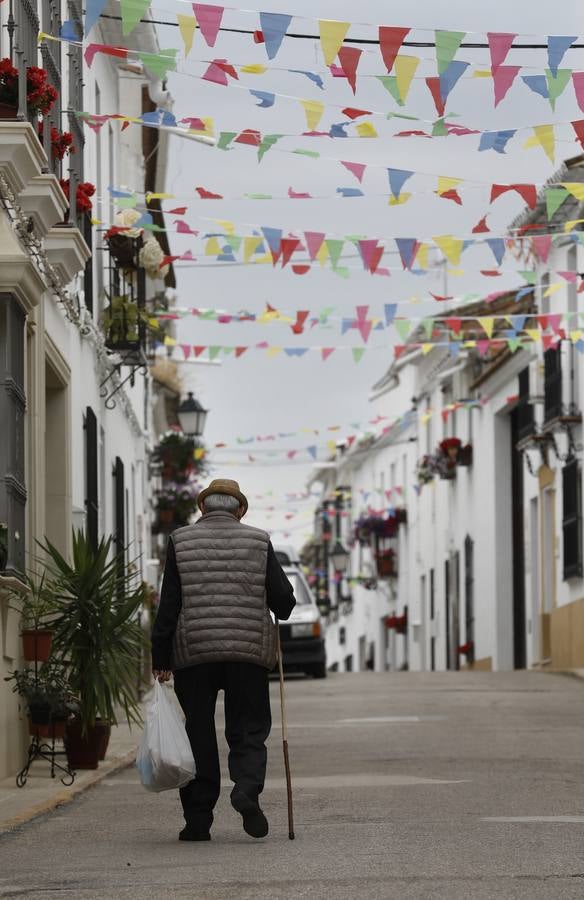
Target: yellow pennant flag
(451, 247)
(447, 184)
(212, 247)
(426, 418)
(487, 324)
(398, 201)
(331, 445)
(469, 344)
(482, 73)
(570, 226)
(250, 245)
(254, 69)
(576, 188)
(322, 254)
(332, 35)
(366, 130)
(552, 289)
(150, 196)
(187, 25)
(575, 336)
(405, 68)
(273, 351)
(422, 255)
(426, 348)
(534, 334)
(170, 342)
(544, 135)
(313, 110)
(199, 453)
(226, 225)
(266, 258)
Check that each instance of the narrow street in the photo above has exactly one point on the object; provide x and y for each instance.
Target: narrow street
(407, 786)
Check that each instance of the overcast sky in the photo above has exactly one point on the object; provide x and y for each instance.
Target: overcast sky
(255, 395)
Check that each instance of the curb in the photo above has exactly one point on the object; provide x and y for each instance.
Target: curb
(68, 794)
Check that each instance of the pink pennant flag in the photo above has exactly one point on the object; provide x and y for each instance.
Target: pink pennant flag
(314, 240)
(367, 249)
(294, 195)
(216, 74)
(554, 321)
(209, 21)
(326, 352)
(183, 227)
(542, 245)
(186, 349)
(356, 169)
(572, 277)
(503, 78)
(189, 253)
(500, 43)
(349, 59)
(578, 82)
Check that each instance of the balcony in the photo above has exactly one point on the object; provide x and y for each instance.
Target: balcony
(559, 405)
(124, 319)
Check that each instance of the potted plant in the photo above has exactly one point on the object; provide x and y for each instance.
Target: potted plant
(48, 698)
(98, 639)
(85, 190)
(176, 452)
(386, 563)
(40, 96)
(37, 607)
(450, 448)
(61, 142)
(426, 469)
(467, 650)
(3, 545)
(465, 455)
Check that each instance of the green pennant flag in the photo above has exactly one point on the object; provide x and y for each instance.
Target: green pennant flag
(259, 196)
(389, 82)
(358, 353)
(530, 277)
(158, 64)
(214, 352)
(267, 143)
(126, 202)
(335, 248)
(150, 226)
(402, 326)
(314, 154)
(225, 138)
(513, 344)
(439, 129)
(447, 44)
(228, 350)
(234, 241)
(341, 271)
(428, 326)
(557, 85)
(554, 197)
(132, 11)
(208, 316)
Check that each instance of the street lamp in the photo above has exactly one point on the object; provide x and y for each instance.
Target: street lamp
(339, 558)
(192, 416)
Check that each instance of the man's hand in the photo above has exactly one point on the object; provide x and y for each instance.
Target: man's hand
(161, 675)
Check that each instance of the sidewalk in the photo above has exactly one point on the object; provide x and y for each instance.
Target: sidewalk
(42, 793)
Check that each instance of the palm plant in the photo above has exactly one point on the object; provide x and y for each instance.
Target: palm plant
(97, 630)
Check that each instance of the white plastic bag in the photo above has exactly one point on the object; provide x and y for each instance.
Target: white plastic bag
(165, 759)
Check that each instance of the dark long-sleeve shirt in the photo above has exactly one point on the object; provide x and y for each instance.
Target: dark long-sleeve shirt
(279, 594)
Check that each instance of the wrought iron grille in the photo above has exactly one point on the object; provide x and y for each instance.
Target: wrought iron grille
(51, 57)
(75, 56)
(124, 318)
(22, 30)
(525, 417)
(553, 383)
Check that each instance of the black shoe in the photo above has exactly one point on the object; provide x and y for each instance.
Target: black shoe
(254, 821)
(190, 834)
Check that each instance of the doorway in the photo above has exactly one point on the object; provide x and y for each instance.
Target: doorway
(57, 488)
(519, 625)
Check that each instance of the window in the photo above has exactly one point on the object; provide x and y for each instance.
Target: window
(525, 420)
(469, 594)
(552, 359)
(572, 519)
(91, 478)
(120, 513)
(12, 413)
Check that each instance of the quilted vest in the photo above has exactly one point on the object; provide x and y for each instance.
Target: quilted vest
(224, 615)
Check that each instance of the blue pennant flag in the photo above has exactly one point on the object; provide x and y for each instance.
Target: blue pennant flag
(406, 247)
(350, 192)
(390, 310)
(93, 10)
(337, 131)
(295, 351)
(538, 84)
(497, 246)
(274, 26)
(266, 99)
(450, 77)
(397, 179)
(68, 31)
(496, 140)
(313, 76)
(557, 46)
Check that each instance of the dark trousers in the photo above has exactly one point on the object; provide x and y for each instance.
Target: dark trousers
(247, 725)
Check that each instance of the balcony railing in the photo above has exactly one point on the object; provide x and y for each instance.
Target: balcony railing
(19, 44)
(124, 318)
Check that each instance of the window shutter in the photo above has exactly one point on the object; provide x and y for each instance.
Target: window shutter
(572, 519)
(120, 510)
(552, 383)
(91, 478)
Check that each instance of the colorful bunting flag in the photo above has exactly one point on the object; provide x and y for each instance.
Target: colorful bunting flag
(390, 42)
(332, 35)
(187, 26)
(132, 11)
(274, 27)
(209, 21)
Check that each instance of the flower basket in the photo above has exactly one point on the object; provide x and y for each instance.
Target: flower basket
(450, 448)
(465, 455)
(123, 250)
(40, 95)
(36, 645)
(386, 567)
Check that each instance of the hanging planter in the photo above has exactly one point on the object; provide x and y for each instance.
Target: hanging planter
(450, 447)
(40, 96)
(36, 645)
(386, 564)
(465, 455)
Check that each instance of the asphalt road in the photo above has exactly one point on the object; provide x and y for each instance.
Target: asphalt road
(453, 786)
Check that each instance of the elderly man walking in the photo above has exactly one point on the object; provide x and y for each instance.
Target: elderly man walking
(214, 632)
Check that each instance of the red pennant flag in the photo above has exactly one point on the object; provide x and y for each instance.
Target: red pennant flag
(301, 269)
(355, 113)
(390, 41)
(434, 88)
(398, 350)
(579, 129)
(440, 298)
(376, 259)
(490, 273)
(249, 136)
(301, 317)
(258, 37)
(350, 440)
(287, 248)
(527, 192)
(326, 352)
(452, 194)
(239, 351)
(454, 324)
(547, 340)
(179, 211)
(481, 227)
(349, 59)
(199, 350)
(207, 195)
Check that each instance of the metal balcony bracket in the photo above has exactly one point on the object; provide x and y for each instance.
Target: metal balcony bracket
(140, 367)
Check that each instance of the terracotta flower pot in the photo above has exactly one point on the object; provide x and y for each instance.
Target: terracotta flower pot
(36, 645)
(52, 730)
(386, 566)
(166, 516)
(83, 751)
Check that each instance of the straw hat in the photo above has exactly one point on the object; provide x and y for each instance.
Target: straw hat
(223, 486)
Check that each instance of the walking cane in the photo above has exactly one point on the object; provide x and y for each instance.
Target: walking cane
(285, 738)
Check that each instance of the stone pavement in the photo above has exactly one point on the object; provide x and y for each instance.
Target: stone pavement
(450, 786)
